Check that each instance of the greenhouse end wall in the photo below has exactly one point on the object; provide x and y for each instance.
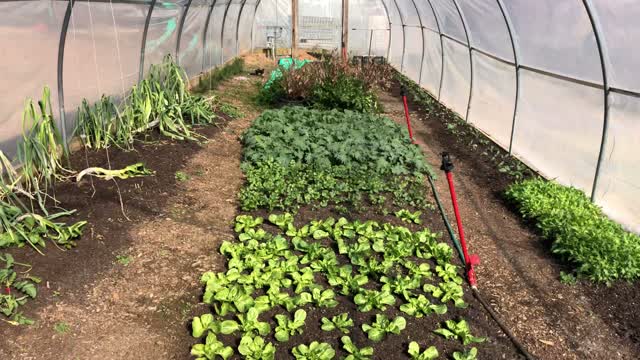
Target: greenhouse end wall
(553, 82)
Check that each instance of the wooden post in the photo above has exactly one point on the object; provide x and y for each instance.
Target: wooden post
(345, 29)
(294, 28)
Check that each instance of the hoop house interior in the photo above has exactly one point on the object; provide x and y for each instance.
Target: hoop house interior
(552, 82)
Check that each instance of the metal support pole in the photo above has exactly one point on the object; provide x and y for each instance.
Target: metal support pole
(294, 27)
(180, 28)
(370, 40)
(605, 81)
(224, 20)
(516, 60)
(345, 30)
(61, 45)
(435, 16)
(238, 28)
(204, 36)
(253, 23)
(143, 48)
(466, 34)
(421, 33)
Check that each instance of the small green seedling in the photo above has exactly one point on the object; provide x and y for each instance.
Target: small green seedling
(364, 353)
(339, 322)
(466, 355)
(182, 176)
(123, 260)
(383, 326)
(459, 330)
(314, 351)
(61, 327)
(429, 353)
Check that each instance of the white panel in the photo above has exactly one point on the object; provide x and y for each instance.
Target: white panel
(365, 14)
(618, 189)
(413, 53)
(191, 39)
(246, 22)
(230, 29)
(450, 22)
(556, 35)
(426, 15)
(621, 36)
(273, 18)
(432, 68)
(380, 43)
(359, 42)
(28, 28)
(320, 24)
(493, 98)
(93, 62)
(394, 15)
(487, 28)
(408, 13)
(397, 43)
(162, 33)
(456, 78)
(213, 50)
(558, 128)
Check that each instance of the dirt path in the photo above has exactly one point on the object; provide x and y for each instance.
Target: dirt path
(518, 274)
(135, 295)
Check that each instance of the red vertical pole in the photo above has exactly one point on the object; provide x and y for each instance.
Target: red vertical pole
(403, 92)
(447, 166)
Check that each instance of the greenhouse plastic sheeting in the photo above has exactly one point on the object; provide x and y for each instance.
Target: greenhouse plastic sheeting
(553, 82)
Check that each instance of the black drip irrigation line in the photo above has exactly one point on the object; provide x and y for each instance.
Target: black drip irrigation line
(476, 292)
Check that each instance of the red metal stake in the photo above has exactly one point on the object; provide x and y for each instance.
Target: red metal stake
(447, 166)
(403, 92)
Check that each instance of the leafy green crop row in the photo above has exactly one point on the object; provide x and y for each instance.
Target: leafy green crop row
(600, 248)
(295, 156)
(324, 264)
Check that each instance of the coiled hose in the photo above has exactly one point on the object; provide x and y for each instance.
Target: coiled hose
(475, 291)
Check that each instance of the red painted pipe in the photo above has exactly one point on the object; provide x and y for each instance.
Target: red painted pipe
(447, 166)
(470, 273)
(403, 92)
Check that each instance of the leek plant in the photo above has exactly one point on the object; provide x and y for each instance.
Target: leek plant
(131, 171)
(40, 152)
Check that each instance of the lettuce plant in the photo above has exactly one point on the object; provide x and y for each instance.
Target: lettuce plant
(211, 349)
(471, 354)
(447, 291)
(430, 353)
(383, 326)
(458, 330)
(421, 306)
(340, 322)
(324, 298)
(246, 222)
(408, 216)
(314, 351)
(355, 353)
(448, 272)
(367, 300)
(346, 281)
(287, 327)
(255, 348)
(401, 285)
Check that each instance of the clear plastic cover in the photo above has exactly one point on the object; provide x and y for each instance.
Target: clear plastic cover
(456, 79)
(432, 67)
(246, 25)
(449, 19)
(213, 51)
(618, 190)
(162, 32)
(493, 98)
(229, 44)
(487, 27)
(413, 54)
(556, 36)
(559, 128)
(28, 28)
(191, 38)
(618, 21)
